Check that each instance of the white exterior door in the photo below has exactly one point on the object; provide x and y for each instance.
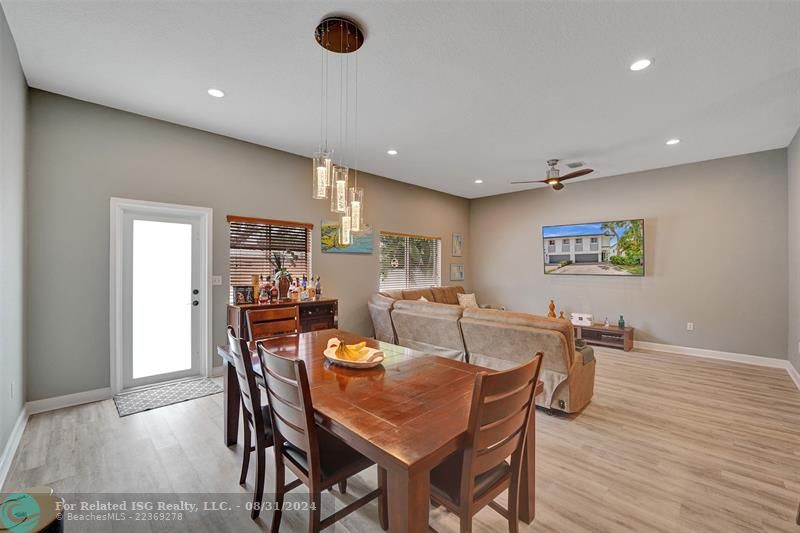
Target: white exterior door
(162, 294)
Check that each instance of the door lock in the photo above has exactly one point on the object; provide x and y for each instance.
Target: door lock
(195, 291)
(195, 303)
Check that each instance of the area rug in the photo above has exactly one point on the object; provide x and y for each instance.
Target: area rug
(130, 403)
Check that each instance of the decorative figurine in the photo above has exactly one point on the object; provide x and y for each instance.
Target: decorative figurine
(552, 313)
(561, 315)
(606, 323)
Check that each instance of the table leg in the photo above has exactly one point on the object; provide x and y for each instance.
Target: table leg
(409, 500)
(527, 481)
(230, 417)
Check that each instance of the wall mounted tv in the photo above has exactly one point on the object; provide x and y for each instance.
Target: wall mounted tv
(598, 248)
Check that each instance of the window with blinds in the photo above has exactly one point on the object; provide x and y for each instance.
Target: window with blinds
(410, 261)
(254, 240)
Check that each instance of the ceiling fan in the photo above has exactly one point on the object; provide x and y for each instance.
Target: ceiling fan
(553, 177)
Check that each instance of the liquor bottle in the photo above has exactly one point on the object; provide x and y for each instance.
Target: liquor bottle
(318, 287)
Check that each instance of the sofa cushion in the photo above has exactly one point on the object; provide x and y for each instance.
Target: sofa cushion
(396, 294)
(467, 300)
(524, 319)
(447, 295)
(429, 308)
(414, 294)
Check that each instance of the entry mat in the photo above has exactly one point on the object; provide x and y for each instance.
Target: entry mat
(130, 403)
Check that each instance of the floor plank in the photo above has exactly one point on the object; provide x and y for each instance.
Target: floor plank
(670, 443)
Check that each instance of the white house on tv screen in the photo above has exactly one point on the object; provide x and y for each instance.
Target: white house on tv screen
(590, 248)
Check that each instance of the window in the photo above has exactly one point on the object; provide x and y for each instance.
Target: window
(254, 240)
(593, 244)
(565, 245)
(409, 261)
(551, 246)
(578, 245)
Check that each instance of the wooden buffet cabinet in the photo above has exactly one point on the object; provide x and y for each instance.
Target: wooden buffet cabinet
(322, 313)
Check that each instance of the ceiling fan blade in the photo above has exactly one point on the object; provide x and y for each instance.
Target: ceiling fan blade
(517, 182)
(577, 173)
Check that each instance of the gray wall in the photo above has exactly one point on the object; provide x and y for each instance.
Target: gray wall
(82, 154)
(793, 160)
(715, 246)
(13, 93)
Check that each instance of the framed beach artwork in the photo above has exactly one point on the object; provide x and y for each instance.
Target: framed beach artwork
(457, 272)
(458, 244)
(329, 240)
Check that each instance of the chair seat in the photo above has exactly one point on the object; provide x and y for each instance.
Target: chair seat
(337, 459)
(446, 479)
(267, 421)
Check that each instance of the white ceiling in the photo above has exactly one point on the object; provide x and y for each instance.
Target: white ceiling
(463, 90)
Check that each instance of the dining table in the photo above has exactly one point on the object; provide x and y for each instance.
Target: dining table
(406, 415)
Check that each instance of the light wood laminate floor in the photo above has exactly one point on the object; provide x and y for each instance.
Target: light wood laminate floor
(670, 443)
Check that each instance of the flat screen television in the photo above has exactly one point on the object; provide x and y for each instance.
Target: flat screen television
(595, 249)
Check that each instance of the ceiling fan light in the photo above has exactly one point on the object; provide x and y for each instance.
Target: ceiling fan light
(552, 181)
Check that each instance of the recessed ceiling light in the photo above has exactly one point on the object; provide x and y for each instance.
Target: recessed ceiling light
(216, 93)
(641, 64)
(391, 152)
(673, 141)
(478, 181)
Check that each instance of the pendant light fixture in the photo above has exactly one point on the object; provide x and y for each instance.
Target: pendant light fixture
(331, 177)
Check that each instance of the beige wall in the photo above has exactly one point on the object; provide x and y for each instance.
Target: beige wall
(793, 163)
(13, 93)
(82, 154)
(715, 238)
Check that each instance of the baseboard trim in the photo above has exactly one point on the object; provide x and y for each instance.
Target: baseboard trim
(756, 360)
(68, 400)
(10, 449)
(794, 374)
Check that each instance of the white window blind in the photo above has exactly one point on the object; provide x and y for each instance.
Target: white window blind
(254, 240)
(410, 261)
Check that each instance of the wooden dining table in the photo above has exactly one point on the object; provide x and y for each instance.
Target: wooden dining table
(406, 415)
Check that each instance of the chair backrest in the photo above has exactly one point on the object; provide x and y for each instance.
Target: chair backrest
(248, 388)
(265, 323)
(502, 404)
(290, 405)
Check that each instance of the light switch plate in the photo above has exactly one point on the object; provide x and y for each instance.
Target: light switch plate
(216, 280)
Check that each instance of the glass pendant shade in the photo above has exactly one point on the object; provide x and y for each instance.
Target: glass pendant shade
(339, 189)
(345, 228)
(355, 200)
(321, 179)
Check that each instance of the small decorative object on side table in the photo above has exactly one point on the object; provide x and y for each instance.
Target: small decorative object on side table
(552, 306)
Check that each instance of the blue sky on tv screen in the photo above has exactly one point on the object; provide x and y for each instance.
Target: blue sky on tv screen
(573, 230)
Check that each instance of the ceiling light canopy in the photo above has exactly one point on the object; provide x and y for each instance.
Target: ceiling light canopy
(673, 142)
(641, 64)
(216, 93)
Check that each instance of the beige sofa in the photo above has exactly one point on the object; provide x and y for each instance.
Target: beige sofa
(489, 338)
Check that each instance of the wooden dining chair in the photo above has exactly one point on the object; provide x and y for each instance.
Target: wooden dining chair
(255, 417)
(318, 458)
(265, 323)
(470, 479)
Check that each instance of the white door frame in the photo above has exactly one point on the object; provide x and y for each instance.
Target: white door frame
(120, 206)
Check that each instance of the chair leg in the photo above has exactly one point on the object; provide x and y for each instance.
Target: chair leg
(258, 495)
(314, 511)
(513, 508)
(343, 486)
(280, 490)
(246, 454)
(383, 500)
(466, 524)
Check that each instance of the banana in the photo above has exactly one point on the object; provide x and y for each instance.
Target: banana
(348, 353)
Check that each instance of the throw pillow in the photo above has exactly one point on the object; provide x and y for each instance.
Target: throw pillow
(422, 299)
(467, 300)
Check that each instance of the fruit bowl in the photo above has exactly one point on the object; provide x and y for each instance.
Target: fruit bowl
(354, 356)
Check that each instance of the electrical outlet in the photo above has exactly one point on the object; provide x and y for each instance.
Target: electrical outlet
(216, 280)
(690, 326)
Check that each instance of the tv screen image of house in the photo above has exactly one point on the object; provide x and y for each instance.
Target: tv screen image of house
(599, 248)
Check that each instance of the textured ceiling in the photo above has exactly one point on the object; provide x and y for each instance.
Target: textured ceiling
(464, 90)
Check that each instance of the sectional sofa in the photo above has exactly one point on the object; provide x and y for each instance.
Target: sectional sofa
(488, 337)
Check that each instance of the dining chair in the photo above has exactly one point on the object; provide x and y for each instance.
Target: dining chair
(265, 323)
(316, 457)
(256, 417)
(470, 479)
